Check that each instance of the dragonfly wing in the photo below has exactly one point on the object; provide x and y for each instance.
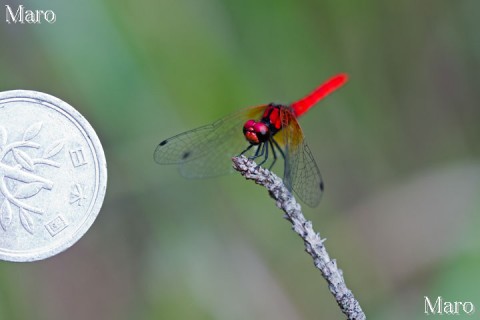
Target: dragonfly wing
(213, 156)
(207, 151)
(184, 146)
(301, 173)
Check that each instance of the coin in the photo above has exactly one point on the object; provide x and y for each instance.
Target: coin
(53, 175)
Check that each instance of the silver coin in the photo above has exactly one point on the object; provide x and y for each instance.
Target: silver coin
(53, 175)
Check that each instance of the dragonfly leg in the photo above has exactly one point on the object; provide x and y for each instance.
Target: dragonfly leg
(264, 151)
(248, 148)
(260, 151)
(274, 153)
(257, 152)
(278, 148)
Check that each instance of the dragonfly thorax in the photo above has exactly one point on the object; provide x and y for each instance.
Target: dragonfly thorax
(256, 132)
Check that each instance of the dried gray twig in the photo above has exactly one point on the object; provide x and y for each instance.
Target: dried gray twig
(313, 242)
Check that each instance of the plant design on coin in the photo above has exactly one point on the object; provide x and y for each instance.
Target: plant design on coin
(19, 177)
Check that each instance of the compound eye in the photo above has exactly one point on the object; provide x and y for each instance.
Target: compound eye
(262, 131)
(249, 132)
(248, 126)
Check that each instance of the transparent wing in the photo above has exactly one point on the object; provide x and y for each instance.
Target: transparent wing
(301, 173)
(207, 151)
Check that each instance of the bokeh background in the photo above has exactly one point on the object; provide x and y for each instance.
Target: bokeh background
(398, 148)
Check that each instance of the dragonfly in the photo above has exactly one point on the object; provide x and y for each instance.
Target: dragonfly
(267, 133)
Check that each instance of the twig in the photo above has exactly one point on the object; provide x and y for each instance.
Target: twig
(313, 243)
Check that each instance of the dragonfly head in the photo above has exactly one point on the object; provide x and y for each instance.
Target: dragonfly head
(256, 132)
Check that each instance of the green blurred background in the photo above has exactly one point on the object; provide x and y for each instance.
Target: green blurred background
(398, 148)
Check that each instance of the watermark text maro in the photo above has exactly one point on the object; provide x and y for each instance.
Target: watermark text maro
(22, 15)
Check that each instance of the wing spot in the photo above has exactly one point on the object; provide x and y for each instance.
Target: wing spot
(321, 186)
(186, 154)
(164, 142)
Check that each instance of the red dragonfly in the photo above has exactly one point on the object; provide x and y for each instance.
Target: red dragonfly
(267, 129)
